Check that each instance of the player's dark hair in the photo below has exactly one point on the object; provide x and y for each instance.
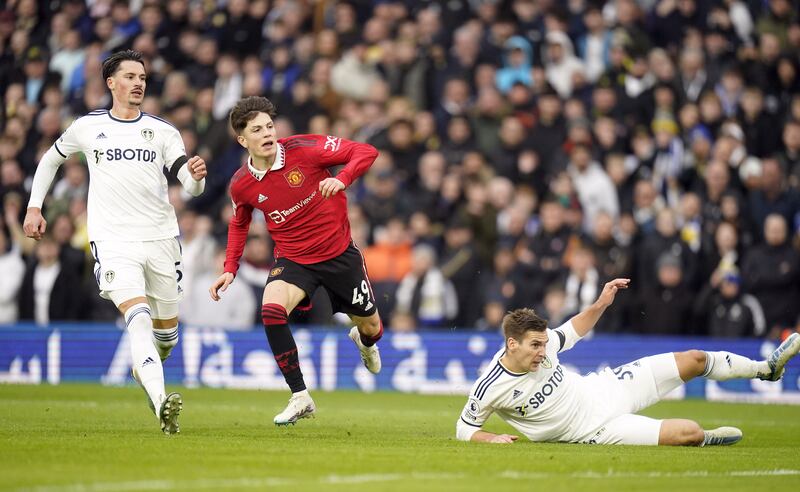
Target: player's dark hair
(520, 321)
(112, 63)
(247, 109)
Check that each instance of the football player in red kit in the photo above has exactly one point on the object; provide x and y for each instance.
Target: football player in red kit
(305, 207)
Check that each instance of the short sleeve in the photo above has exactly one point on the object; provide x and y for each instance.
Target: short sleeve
(476, 412)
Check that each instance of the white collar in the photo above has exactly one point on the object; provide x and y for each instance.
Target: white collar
(280, 161)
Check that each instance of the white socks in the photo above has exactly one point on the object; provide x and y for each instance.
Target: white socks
(146, 360)
(165, 340)
(722, 366)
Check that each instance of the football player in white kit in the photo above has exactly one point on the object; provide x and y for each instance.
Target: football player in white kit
(526, 385)
(133, 230)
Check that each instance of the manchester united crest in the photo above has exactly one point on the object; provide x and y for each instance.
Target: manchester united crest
(294, 177)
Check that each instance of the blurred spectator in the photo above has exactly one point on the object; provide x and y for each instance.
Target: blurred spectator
(582, 284)
(235, 309)
(773, 196)
(462, 266)
(13, 268)
(728, 313)
(771, 272)
(424, 293)
(596, 192)
(564, 70)
(517, 64)
(50, 288)
(388, 260)
(666, 307)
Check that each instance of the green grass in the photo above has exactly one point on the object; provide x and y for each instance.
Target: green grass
(90, 438)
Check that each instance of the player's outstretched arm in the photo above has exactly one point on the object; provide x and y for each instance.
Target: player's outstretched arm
(584, 321)
(220, 285)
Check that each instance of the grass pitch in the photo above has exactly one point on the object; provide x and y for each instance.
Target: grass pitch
(88, 438)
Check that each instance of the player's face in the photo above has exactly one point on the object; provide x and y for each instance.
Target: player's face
(259, 137)
(128, 83)
(530, 352)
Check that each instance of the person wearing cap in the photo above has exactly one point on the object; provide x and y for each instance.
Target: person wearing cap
(727, 312)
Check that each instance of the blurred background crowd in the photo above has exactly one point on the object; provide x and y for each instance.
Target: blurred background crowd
(530, 150)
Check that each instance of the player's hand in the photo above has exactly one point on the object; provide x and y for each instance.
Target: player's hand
(34, 225)
(220, 285)
(197, 167)
(330, 186)
(610, 290)
(503, 439)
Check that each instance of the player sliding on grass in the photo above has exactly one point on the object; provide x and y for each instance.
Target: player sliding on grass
(132, 226)
(527, 386)
(289, 181)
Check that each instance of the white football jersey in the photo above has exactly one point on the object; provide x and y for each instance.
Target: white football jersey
(549, 404)
(127, 188)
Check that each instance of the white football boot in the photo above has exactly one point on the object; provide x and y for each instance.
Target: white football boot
(722, 436)
(371, 356)
(781, 356)
(300, 406)
(168, 413)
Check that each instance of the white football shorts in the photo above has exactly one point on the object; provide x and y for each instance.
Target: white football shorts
(152, 269)
(627, 389)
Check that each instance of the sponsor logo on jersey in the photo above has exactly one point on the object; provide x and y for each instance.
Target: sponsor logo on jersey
(279, 216)
(148, 134)
(141, 155)
(261, 198)
(294, 177)
(546, 363)
(332, 143)
(275, 271)
(109, 276)
(547, 388)
(102, 135)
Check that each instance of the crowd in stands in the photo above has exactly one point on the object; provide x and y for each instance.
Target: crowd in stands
(530, 150)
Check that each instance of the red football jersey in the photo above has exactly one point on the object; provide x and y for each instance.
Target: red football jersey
(305, 227)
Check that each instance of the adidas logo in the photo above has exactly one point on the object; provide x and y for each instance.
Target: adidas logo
(147, 361)
(516, 394)
(102, 135)
(261, 198)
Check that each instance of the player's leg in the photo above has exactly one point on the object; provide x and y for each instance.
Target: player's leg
(288, 285)
(639, 430)
(119, 271)
(683, 432)
(365, 334)
(347, 283)
(162, 275)
(145, 361)
(722, 366)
